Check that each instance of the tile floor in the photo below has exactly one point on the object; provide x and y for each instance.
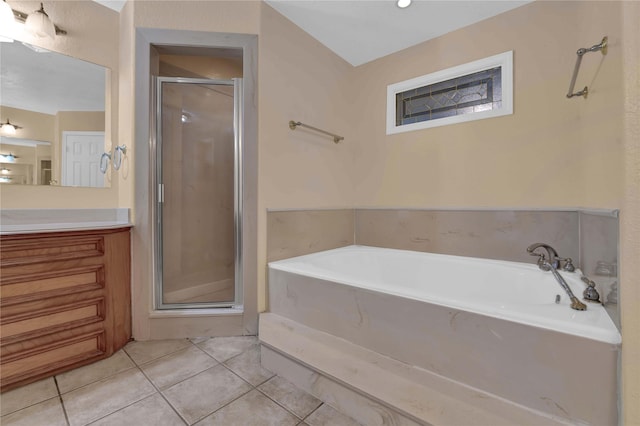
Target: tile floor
(203, 381)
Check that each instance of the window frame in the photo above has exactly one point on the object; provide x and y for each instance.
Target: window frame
(503, 60)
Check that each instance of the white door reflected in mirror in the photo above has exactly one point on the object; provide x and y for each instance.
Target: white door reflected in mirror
(81, 153)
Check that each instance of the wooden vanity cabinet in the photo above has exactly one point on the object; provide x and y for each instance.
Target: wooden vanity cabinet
(65, 301)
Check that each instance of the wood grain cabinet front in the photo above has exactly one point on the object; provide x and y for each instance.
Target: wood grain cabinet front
(64, 301)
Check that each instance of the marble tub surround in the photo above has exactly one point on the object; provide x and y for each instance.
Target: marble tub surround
(348, 377)
(203, 381)
(585, 235)
(296, 232)
(430, 355)
(599, 233)
(14, 221)
(501, 234)
(489, 234)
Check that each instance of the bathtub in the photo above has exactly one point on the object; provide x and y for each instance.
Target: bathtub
(461, 339)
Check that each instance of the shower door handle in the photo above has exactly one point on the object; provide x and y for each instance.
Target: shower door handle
(160, 193)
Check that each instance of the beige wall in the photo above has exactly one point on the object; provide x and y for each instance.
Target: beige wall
(552, 151)
(126, 111)
(300, 80)
(226, 16)
(92, 36)
(200, 66)
(630, 217)
(35, 125)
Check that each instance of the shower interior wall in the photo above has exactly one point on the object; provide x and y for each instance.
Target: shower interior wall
(198, 170)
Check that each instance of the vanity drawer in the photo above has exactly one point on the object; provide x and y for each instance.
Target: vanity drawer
(27, 321)
(18, 287)
(46, 360)
(44, 249)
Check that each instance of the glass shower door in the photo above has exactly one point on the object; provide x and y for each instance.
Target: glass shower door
(197, 149)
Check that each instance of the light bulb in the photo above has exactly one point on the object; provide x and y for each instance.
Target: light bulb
(39, 24)
(403, 3)
(8, 128)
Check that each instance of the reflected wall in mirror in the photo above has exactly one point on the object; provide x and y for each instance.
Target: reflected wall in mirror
(58, 104)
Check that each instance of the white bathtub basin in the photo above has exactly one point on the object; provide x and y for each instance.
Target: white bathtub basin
(485, 330)
(512, 291)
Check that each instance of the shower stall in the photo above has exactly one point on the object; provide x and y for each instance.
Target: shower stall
(198, 180)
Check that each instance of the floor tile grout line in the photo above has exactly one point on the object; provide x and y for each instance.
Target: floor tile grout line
(256, 387)
(242, 378)
(222, 363)
(175, 353)
(288, 410)
(161, 394)
(139, 366)
(228, 403)
(95, 381)
(309, 415)
(228, 359)
(180, 381)
(161, 356)
(58, 397)
(120, 409)
(134, 366)
(64, 409)
(28, 406)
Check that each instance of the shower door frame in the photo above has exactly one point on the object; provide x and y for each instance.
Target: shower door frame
(158, 193)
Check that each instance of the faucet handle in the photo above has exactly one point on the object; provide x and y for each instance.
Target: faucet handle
(542, 261)
(590, 293)
(568, 264)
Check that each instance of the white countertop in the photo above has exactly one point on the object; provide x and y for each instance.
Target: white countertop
(21, 221)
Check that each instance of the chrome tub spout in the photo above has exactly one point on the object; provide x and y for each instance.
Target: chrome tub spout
(551, 262)
(575, 303)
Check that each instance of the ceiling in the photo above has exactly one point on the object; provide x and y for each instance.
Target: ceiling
(48, 82)
(360, 31)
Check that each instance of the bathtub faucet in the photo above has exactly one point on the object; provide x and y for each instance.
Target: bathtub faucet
(553, 259)
(552, 265)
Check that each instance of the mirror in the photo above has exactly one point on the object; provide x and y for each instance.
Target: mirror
(57, 104)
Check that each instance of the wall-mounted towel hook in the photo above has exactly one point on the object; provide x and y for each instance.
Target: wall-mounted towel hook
(602, 47)
(104, 162)
(118, 153)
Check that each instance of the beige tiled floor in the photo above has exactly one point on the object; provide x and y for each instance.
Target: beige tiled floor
(204, 381)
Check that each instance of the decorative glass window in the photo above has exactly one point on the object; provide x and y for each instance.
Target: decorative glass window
(480, 89)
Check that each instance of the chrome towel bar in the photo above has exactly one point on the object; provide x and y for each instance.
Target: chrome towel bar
(602, 47)
(294, 124)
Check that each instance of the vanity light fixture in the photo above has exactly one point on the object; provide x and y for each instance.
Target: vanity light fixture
(8, 158)
(403, 3)
(39, 24)
(7, 22)
(9, 128)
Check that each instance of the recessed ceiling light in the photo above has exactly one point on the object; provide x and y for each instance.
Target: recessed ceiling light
(403, 3)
